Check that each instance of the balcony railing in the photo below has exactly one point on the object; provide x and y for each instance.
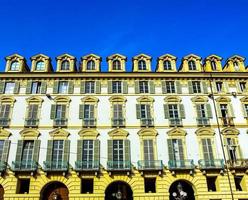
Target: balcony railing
(227, 121)
(60, 122)
(118, 122)
(175, 122)
(119, 165)
(211, 164)
(147, 122)
(89, 122)
(31, 122)
(56, 166)
(238, 163)
(3, 166)
(4, 122)
(24, 165)
(203, 121)
(89, 165)
(181, 164)
(150, 165)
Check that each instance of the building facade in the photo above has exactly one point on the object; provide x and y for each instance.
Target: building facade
(86, 134)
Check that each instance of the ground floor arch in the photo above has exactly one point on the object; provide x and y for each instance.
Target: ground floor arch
(54, 190)
(181, 189)
(1, 192)
(118, 190)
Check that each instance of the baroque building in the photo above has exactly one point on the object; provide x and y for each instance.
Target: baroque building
(79, 133)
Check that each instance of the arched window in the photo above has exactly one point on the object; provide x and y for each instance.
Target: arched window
(213, 65)
(15, 66)
(236, 66)
(192, 65)
(40, 66)
(116, 65)
(65, 65)
(142, 65)
(167, 65)
(91, 65)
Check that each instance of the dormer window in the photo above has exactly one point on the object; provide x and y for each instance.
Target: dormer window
(213, 65)
(116, 65)
(65, 65)
(40, 66)
(167, 65)
(236, 66)
(91, 65)
(15, 66)
(142, 65)
(192, 65)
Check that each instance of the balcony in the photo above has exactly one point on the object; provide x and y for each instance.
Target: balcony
(175, 122)
(227, 121)
(121, 165)
(238, 163)
(56, 166)
(3, 166)
(25, 166)
(88, 165)
(203, 121)
(118, 122)
(181, 164)
(211, 164)
(150, 165)
(89, 122)
(147, 122)
(60, 122)
(4, 122)
(31, 122)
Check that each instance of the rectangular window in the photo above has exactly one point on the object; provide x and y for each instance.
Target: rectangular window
(9, 88)
(219, 86)
(231, 149)
(238, 180)
(224, 110)
(176, 149)
(170, 87)
(27, 153)
(118, 150)
(246, 108)
(90, 87)
(118, 111)
(150, 185)
(63, 87)
(145, 111)
(88, 111)
(207, 152)
(33, 111)
(148, 150)
(201, 111)
(23, 186)
(242, 86)
(196, 86)
(143, 87)
(1, 148)
(57, 153)
(88, 150)
(60, 111)
(211, 183)
(173, 111)
(5, 111)
(116, 87)
(87, 186)
(36, 87)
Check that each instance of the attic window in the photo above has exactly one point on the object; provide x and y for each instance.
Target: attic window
(91, 65)
(192, 65)
(15, 66)
(167, 65)
(40, 66)
(236, 66)
(65, 65)
(142, 65)
(213, 65)
(116, 65)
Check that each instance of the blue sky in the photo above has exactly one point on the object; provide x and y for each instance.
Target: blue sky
(78, 27)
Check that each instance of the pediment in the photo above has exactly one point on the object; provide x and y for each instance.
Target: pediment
(116, 56)
(173, 99)
(230, 131)
(4, 134)
(236, 57)
(88, 133)
(59, 133)
(199, 99)
(223, 99)
(166, 56)
(40, 56)
(213, 57)
(145, 99)
(117, 99)
(65, 56)
(14, 57)
(30, 133)
(9, 99)
(34, 99)
(90, 99)
(118, 133)
(142, 56)
(90, 56)
(146, 132)
(62, 99)
(190, 56)
(177, 132)
(204, 132)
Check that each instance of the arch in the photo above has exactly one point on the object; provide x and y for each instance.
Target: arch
(7, 99)
(230, 131)
(4, 134)
(173, 99)
(40, 65)
(183, 188)
(118, 190)
(15, 65)
(53, 188)
(204, 132)
(177, 132)
(34, 99)
(118, 133)
(1, 192)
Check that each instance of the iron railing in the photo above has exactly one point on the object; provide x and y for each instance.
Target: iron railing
(91, 122)
(150, 165)
(60, 122)
(4, 122)
(31, 122)
(118, 122)
(203, 121)
(147, 122)
(24, 165)
(56, 166)
(211, 164)
(89, 165)
(181, 164)
(175, 122)
(3, 166)
(238, 163)
(227, 121)
(121, 165)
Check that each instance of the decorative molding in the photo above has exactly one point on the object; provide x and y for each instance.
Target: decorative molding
(118, 133)
(59, 134)
(177, 132)
(205, 132)
(88, 133)
(230, 131)
(147, 133)
(29, 133)
(4, 134)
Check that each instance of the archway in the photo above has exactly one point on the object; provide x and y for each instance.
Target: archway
(54, 190)
(181, 190)
(1, 192)
(118, 190)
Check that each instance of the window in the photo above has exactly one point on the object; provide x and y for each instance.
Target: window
(142, 65)
(224, 110)
(167, 65)
(88, 151)
(27, 153)
(33, 111)
(207, 151)
(1, 149)
(211, 183)
(116, 87)
(36, 87)
(63, 87)
(196, 86)
(65, 65)
(177, 146)
(118, 111)
(23, 186)
(116, 65)
(238, 180)
(192, 65)
(118, 152)
(60, 112)
(173, 111)
(88, 111)
(87, 186)
(150, 185)
(5, 111)
(219, 86)
(236, 66)
(15, 66)
(213, 65)
(40, 66)
(231, 149)
(89, 86)
(246, 109)
(148, 150)
(242, 86)
(170, 87)
(143, 87)
(9, 88)
(57, 152)
(91, 65)
(145, 111)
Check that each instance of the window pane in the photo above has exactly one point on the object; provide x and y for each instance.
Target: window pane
(9, 88)
(15, 66)
(40, 66)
